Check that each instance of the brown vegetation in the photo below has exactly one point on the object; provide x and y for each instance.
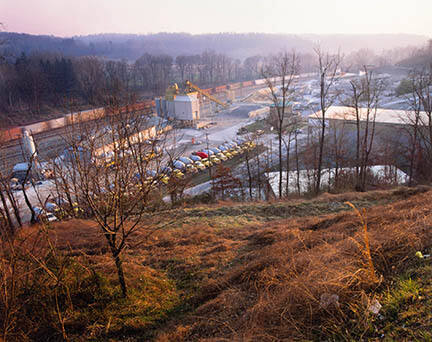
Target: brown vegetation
(288, 271)
(228, 274)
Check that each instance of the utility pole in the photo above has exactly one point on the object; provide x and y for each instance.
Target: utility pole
(207, 143)
(210, 167)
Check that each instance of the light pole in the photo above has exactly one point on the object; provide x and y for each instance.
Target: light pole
(210, 166)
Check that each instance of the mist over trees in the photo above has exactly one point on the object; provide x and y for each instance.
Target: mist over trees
(236, 45)
(45, 74)
(419, 56)
(33, 85)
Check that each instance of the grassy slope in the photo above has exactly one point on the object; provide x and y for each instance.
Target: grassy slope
(261, 271)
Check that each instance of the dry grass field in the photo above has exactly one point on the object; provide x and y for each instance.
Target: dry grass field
(293, 270)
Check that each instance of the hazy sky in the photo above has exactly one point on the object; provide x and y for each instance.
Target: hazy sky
(81, 17)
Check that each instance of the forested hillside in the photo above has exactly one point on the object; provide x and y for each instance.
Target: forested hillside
(44, 75)
(236, 45)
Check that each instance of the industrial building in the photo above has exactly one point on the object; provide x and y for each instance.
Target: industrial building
(340, 115)
(183, 107)
(184, 104)
(304, 180)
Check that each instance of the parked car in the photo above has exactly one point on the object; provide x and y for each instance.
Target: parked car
(151, 173)
(219, 154)
(169, 172)
(166, 170)
(51, 207)
(164, 179)
(191, 168)
(179, 165)
(222, 156)
(251, 145)
(186, 160)
(43, 215)
(236, 147)
(51, 217)
(245, 144)
(200, 166)
(215, 150)
(214, 159)
(242, 130)
(231, 148)
(226, 151)
(209, 152)
(195, 158)
(201, 154)
(15, 184)
(206, 162)
(178, 174)
(150, 177)
(198, 162)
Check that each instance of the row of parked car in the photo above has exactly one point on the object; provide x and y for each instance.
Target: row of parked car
(202, 159)
(196, 162)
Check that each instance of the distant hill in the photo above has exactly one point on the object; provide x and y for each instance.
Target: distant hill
(237, 45)
(419, 58)
(12, 45)
(376, 42)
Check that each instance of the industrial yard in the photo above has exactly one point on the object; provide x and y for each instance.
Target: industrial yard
(193, 119)
(48, 142)
(177, 171)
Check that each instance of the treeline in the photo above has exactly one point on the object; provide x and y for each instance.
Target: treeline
(132, 46)
(33, 85)
(237, 45)
(419, 57)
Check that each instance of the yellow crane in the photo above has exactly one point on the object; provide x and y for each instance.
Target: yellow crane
(190, 85)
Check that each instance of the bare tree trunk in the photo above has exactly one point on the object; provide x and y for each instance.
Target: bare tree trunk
(280, 163)
(297, 163)
(29, 205)
(328, 68)
(7, 214)
(249, 174)
(320, 156)
(288, 147)
(258, 176)
(14, 208)
(413, 151)
(119, 266)
(284, 67)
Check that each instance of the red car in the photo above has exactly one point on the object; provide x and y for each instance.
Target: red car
(201, 154)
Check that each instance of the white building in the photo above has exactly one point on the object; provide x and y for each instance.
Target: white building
(183, 107)
(186, 107)
(383, 117)
(382, 174)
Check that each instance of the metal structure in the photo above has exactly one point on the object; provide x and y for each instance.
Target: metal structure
(190, 85)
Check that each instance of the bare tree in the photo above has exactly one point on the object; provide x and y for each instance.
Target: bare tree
(247, 156)
(181, 64)
(364, 99)
(224, 183)
(290, 139)
(297, 161)
(338, 150)
(284, 68)
(116, 169)
(91, 79)
(328, 68)
(420, 124)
